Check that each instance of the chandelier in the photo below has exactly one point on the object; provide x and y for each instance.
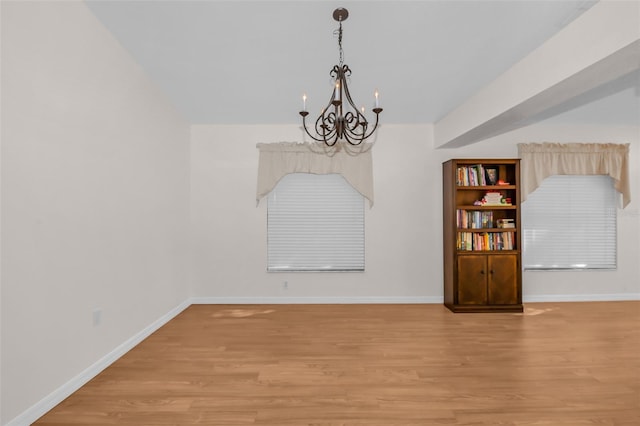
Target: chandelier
(340, 120)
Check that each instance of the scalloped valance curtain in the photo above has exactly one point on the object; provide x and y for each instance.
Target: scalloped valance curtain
(279, 159)
(541, 160)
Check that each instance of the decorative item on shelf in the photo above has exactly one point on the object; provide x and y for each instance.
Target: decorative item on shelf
(493, 199)
(341, 120)
(502, 182)
(491, 175)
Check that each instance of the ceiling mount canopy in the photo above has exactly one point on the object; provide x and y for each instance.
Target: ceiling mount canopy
(341, 120)
(340, 14)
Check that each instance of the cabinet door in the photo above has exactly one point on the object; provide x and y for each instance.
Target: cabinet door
(472, 280)
(503, 279)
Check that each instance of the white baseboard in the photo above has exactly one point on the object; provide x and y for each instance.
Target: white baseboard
(56, 397)
(213, 300)
(314, 300)
(614, 297)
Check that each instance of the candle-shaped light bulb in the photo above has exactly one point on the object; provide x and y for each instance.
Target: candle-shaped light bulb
(362, 109)
(337, 90)
(304, 101)
(377, 101)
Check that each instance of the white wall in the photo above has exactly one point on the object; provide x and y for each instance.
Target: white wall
(1, 68)
(403, 229)
(94, 199)
(229, 231)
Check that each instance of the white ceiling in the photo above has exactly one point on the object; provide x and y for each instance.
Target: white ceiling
(249, 62)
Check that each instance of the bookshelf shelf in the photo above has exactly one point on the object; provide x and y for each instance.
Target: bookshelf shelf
(484, 252)
(481, 222)
(485, 187)
(486, 207)
(481, 230)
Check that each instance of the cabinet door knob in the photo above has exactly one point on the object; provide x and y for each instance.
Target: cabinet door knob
(482, 272)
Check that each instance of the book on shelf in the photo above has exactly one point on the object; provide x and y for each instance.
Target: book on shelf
(485, 241)
(474, 175)
(474, 219)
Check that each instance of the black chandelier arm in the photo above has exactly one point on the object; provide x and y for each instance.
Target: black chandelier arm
(325, 126)
(356, 127)
(357, 134)
(347, 95)
(377, 111)
(323, 136)
(353, 136)
(356, 138)
(304, 126)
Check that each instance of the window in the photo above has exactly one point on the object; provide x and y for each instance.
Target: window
(569, 222)
(315, 223)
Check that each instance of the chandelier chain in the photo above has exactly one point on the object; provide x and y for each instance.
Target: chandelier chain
(341, 52)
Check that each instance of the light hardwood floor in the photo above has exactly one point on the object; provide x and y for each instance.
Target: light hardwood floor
(556, 364)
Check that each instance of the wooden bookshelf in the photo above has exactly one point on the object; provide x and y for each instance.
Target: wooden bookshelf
(482, 237)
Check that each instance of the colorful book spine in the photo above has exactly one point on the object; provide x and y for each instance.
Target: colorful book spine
(485, 241)
(471, 175)
(474, 219)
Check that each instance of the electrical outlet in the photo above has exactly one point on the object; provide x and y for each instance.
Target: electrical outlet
(285, 285)
(97, 317)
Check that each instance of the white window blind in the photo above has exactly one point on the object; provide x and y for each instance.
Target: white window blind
(569, 222)
(315, 223)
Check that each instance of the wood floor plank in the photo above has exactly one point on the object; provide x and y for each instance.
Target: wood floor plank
(555, 364)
